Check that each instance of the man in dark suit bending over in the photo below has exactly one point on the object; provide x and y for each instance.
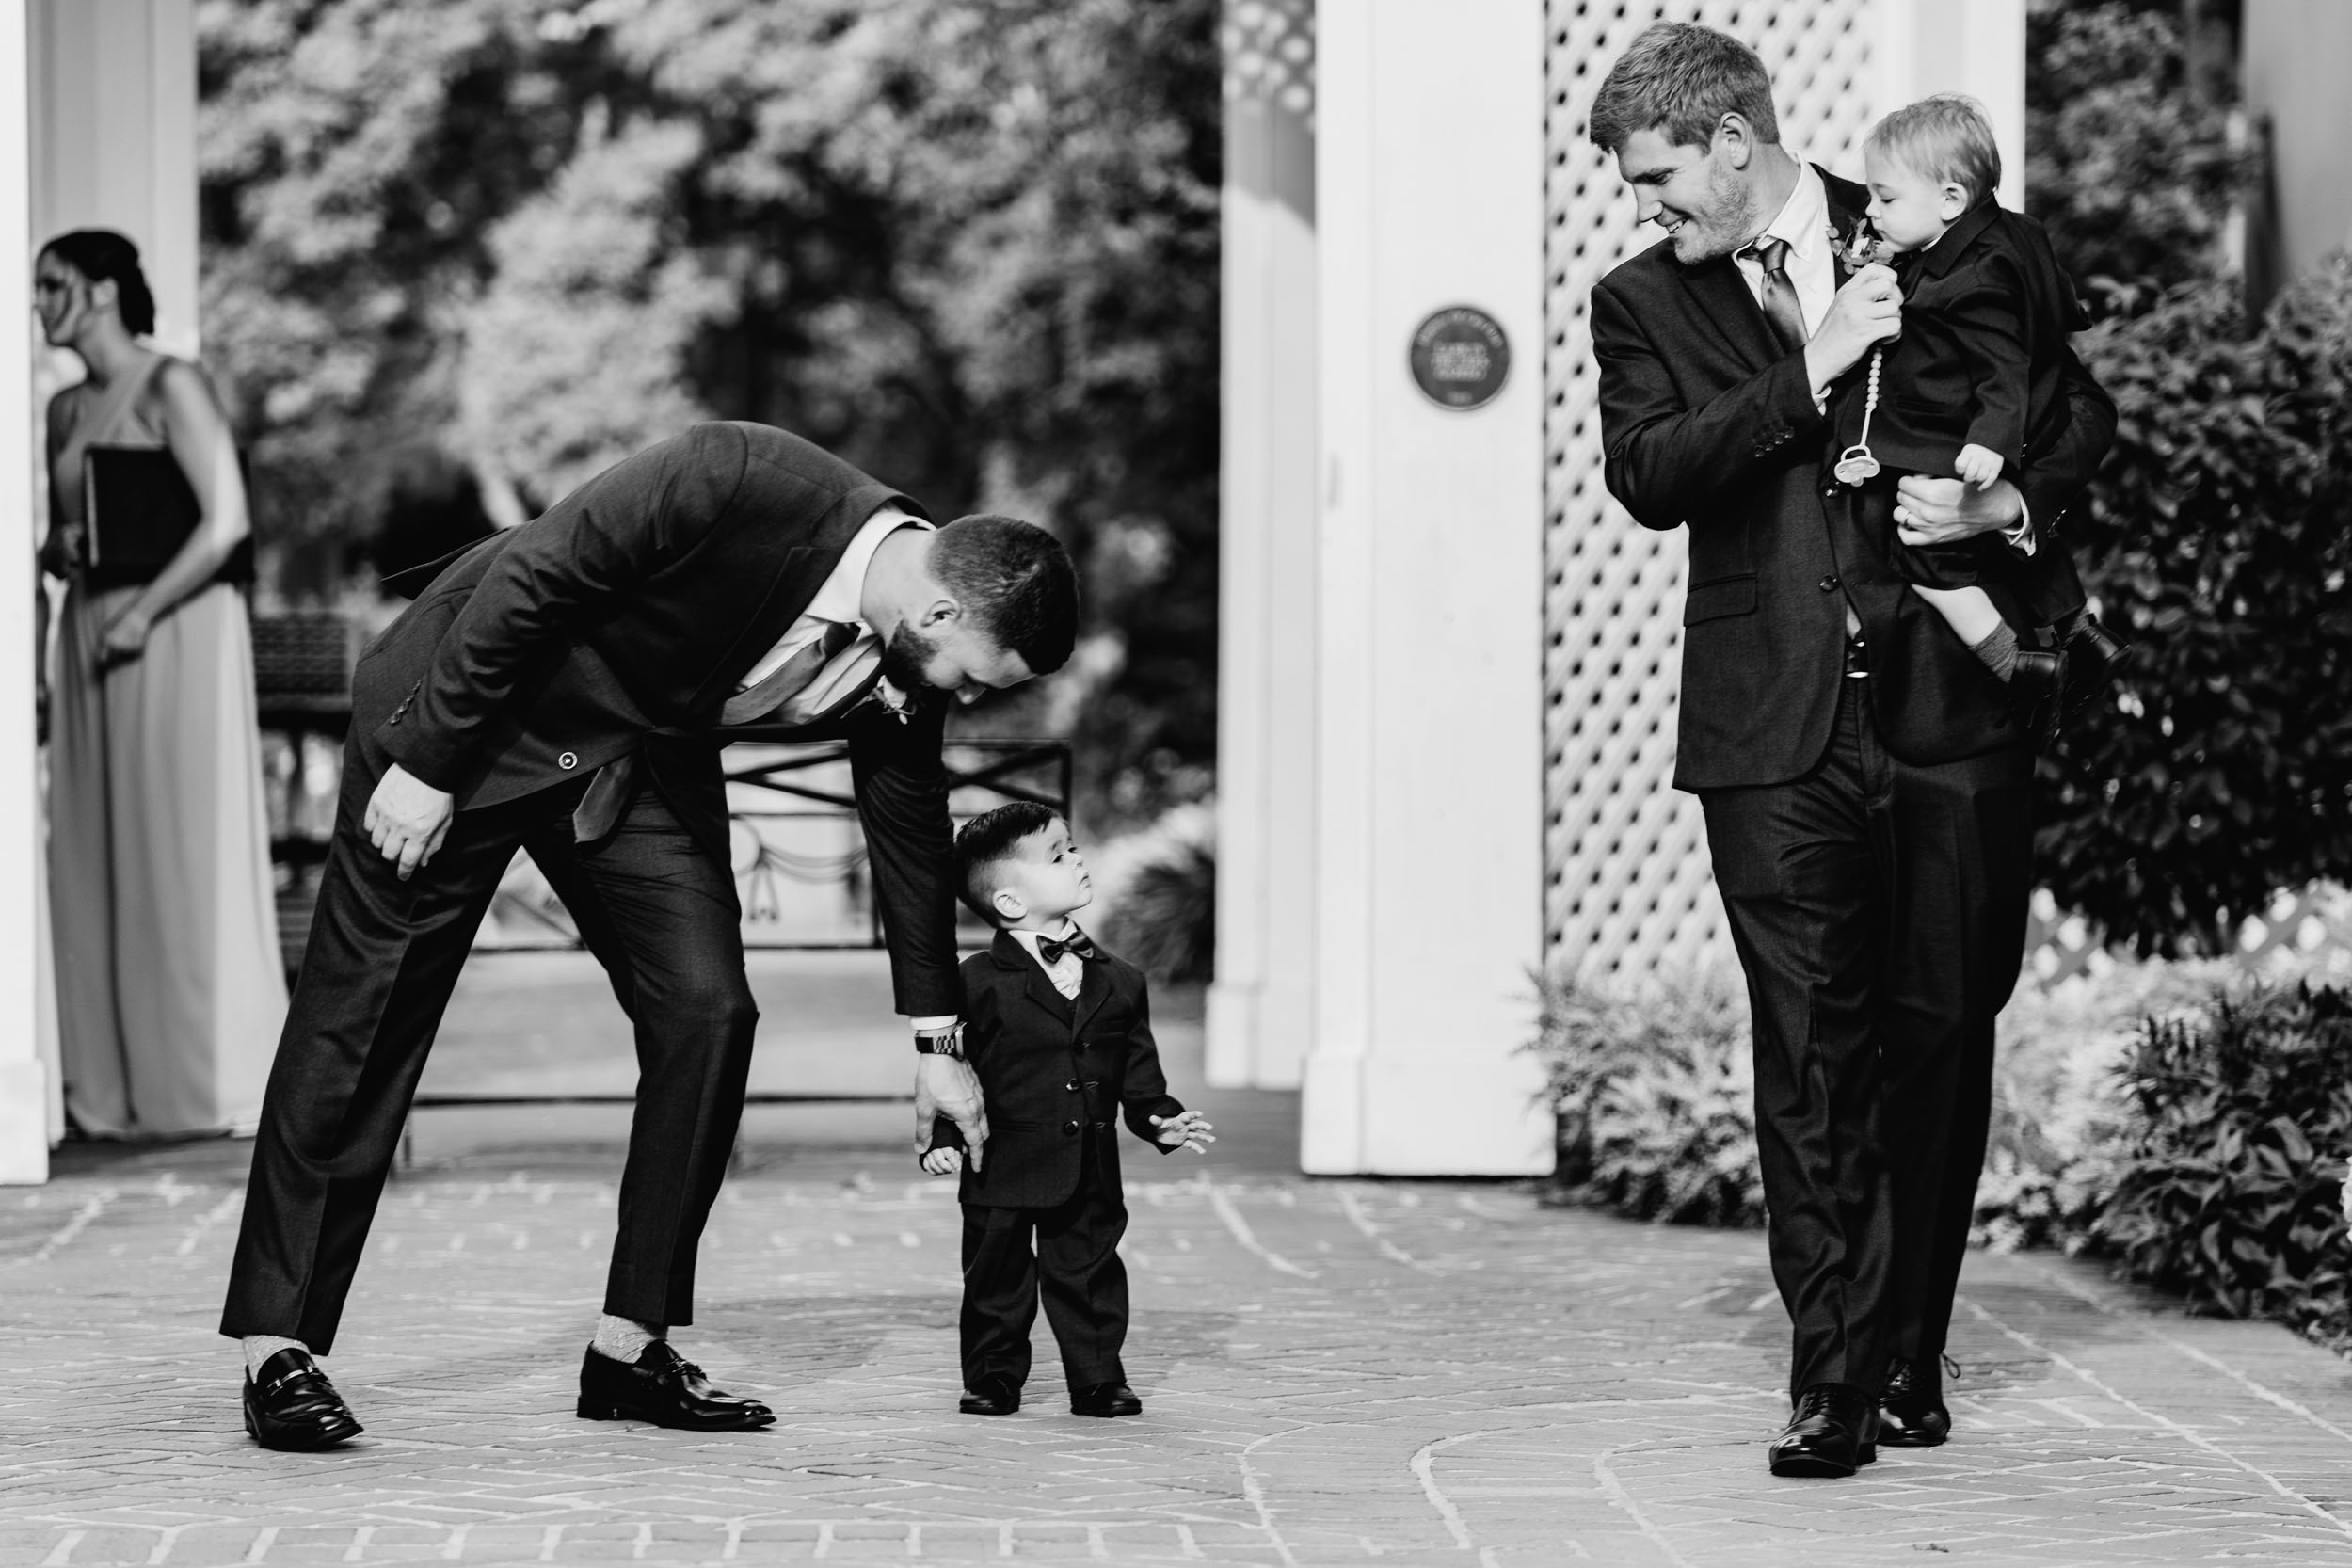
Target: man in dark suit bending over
(1865, 789)
(564, 688)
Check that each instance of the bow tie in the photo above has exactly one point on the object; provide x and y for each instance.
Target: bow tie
(1049, 950)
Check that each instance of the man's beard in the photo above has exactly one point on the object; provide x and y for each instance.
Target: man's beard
(1725, 227)
(905, 656)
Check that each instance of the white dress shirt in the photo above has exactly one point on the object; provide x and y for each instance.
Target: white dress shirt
(1068, 972)
(838, 599)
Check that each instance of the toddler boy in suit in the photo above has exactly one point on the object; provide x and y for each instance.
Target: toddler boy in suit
(1059, 1031)
(1971, 387)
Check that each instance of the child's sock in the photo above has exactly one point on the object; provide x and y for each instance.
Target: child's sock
(623, 1338)
(1998, 650)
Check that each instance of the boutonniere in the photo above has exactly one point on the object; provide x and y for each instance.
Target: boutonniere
(893, 701)
(1857, 249)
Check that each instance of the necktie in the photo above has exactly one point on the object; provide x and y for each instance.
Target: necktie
(785, 681)
(1049, 950)
(616, 783)
(1780, 295)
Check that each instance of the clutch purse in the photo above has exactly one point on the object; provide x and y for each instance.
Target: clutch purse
(141, 511)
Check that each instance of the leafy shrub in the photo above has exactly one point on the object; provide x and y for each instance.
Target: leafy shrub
(1656, 1091)
(2229, 1188)
(2219, 769)
(1159, 897)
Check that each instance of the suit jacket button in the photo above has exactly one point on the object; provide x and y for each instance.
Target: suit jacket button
(568, 759)
(1071, 1087)
(1828, 584)
(1069, 1130)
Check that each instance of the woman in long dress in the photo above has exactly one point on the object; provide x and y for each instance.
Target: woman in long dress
(170, 992)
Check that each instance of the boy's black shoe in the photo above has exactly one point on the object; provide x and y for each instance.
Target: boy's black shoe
(2036, 685)
(1833, 1431)
(997, 1396)
(291, 1407)
(1911, 1411)
(1105, 1398)
(2092, 652)
(663, 1387)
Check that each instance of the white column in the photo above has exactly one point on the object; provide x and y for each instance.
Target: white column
(1972, 46)
(25, 1088)
(1430, 193)
(114, 139)
(1260, 1003)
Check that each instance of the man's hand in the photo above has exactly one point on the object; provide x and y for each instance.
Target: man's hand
(408, 819)
(1186, 1130)
(1946, 511)
(1867, 310)
(943, 1161)
(947, 1086)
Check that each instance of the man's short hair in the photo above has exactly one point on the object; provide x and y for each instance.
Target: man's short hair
(1017, 583)
(1947, 137)
(988, 840)
(1681, 79)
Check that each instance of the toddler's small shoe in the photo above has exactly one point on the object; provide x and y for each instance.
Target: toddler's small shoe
(1105, 1398)
(992, 1397)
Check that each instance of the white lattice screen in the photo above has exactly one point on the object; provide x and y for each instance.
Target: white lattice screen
(1630, 889)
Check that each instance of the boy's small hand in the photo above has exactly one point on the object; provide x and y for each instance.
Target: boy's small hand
(1187, 1130)
(943, 1161)
(1979, 465)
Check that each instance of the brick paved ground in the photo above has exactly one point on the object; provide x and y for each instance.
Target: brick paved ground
(1335, 1372)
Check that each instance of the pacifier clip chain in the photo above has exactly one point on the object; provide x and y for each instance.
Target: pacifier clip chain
(1855, 464)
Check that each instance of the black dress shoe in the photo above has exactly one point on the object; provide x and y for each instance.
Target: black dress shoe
(662, 1387)
(997, 1396)
(1911, 1411)
(292, 1406)
(2036, 685)
(1105, 1398)
(2092, 652)
(1832, 1432)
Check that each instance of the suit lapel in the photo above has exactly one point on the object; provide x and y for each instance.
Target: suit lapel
(1722, 295)
(1035, 983)
(1093, 991)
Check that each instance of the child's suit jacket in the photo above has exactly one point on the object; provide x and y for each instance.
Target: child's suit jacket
(1048, 1068)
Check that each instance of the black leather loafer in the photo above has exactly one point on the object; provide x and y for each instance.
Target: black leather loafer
(2036, 687)
(1911, 1411)
(1832, 1432)
(2092, 652)
(992, 1397)
(291, 1406)
(1105, 1398)
(662, 1387)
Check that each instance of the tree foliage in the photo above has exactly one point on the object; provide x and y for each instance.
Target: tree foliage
(971, 244)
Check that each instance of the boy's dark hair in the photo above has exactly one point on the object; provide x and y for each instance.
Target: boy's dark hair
(1017, 582)
(988, 839)
(1681, 79)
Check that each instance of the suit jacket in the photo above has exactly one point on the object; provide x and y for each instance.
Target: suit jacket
(1048, 1067)
(1707, 422)
(1986, 311)
(619, 622)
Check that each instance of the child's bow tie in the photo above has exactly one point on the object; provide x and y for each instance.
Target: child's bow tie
(1049, 950)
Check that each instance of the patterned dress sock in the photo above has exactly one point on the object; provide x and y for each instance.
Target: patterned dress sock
(1999, 652)
(625, 1338)
(261, 1346)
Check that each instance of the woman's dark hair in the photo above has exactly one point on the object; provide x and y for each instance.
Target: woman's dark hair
(100, 254)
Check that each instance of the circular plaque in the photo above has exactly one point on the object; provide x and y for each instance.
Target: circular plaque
(1460, 358)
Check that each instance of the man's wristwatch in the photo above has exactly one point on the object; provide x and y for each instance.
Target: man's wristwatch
(940, 1042)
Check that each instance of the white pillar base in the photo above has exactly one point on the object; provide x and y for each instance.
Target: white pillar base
(23, 1123)
(1433, 1110)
